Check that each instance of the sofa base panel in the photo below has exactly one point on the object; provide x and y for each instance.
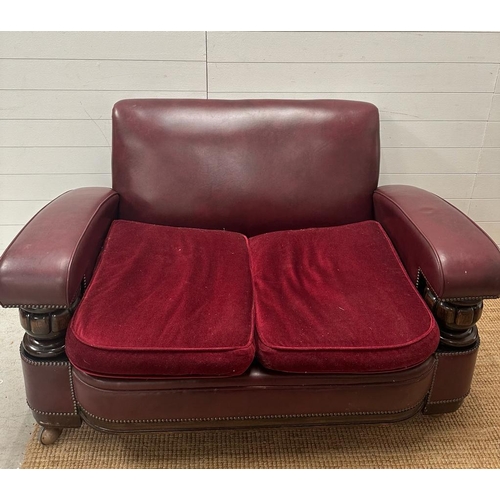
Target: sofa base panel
(60, 396)
(248, 422)
(56, 421)
(452, 379)
(440, 408)
(258, 398)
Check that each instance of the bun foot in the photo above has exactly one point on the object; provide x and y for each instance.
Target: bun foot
(49, 435)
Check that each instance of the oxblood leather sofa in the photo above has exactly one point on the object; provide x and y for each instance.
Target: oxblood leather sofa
(245, 270)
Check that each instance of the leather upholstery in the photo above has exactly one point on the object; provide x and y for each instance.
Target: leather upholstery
(253, 167)
(452, 379)
(458, 259)
(47, 261)
(48, 385)
(257, 393)
(248, 166)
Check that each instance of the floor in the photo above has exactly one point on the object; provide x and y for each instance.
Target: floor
(16, 421)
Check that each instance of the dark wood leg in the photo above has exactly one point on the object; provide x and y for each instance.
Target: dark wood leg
(456, 320)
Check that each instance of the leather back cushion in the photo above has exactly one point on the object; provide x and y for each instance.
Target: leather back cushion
(251, 166)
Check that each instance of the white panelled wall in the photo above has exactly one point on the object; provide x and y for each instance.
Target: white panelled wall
(438, 94)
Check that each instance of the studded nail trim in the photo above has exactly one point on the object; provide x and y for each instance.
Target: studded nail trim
(42, 361)
(433, 378)
(71, 386)
(248, 417)
(448, 400)
(50, 306)
(460, 353)
(36, 306)
(461, 299)
(453, 299)
(54, 413)
(72, 390)
(436, 365)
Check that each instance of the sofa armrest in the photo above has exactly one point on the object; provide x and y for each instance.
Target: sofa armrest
(45, 264)
(458, 260)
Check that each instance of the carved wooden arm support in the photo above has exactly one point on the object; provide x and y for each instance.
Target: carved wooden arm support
(45, 330)
(456, 320)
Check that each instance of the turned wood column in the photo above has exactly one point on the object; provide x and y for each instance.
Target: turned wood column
(45, 330)
(456, 320)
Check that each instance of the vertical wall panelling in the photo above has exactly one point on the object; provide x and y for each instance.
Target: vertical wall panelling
(438, 95)
(56, 94)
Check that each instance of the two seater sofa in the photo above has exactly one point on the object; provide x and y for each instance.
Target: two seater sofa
(246, 269)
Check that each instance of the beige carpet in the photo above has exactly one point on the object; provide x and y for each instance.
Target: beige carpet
(469, 438)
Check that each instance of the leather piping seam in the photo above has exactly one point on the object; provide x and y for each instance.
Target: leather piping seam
(52, 413)
(37, 306)
(49, 306)
(250, 417)
(72, 390)
(438, 355)
(459, 353)
(448, 400)
(429, 394)
(456, 299)
(480, 297)
(71, 386)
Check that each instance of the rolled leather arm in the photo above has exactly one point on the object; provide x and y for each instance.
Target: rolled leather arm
(458, 260)
(46, 263)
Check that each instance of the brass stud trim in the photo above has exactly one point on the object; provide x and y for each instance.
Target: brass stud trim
(53, 413)
(41, 362)
(453, 299)
(248, 417)
(448, 400)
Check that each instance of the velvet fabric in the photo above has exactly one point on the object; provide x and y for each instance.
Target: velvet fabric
(166, 301)
(337, 299)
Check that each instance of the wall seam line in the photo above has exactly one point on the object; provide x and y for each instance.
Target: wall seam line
(206, 64)
(482, 142)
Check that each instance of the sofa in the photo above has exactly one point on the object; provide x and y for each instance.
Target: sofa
(245, 269)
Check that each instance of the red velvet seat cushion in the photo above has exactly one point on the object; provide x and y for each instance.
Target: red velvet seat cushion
(166, 301)
(337, 300)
